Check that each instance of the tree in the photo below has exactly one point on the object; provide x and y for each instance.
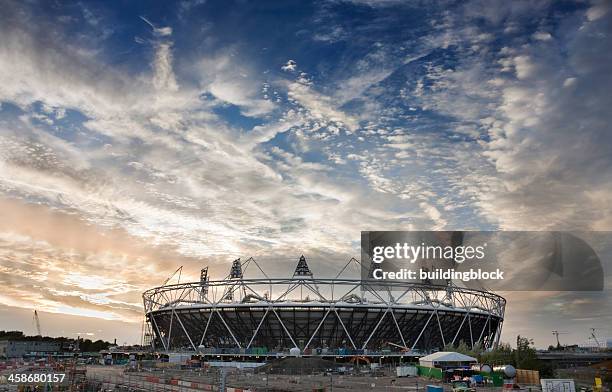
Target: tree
(501, 355)
(65, 343)
(524, 356)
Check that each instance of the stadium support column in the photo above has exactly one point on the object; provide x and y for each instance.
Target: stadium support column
(460, 326)
(210, 316)
(375, 329)
(317, 329)
(184, 330)
(421, 333)
(345, 330)
(285, 328)
(483, 329)
(258, 327)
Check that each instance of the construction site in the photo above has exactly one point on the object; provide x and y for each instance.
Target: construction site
(303, 333)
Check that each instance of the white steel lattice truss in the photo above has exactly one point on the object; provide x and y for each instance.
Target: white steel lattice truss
(305, 312)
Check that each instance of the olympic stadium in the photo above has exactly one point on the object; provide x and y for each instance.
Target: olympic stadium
(312, 316)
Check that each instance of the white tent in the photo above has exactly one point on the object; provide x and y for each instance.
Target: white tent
(446, 359)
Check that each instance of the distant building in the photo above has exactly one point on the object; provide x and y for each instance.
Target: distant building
(21, 348)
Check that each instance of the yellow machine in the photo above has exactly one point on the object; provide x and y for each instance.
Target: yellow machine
(598, 385)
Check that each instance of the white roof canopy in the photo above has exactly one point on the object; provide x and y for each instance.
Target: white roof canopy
(447, 356)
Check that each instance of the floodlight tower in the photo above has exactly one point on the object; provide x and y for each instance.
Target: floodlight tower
(204, 283)
(37, 323)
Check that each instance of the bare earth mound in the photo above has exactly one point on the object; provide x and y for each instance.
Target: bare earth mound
(294, 365)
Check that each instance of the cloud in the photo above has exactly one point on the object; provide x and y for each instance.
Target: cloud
(320, 106)
(164, 78)
(233, 82)
(542, 158)
(553, 141)
(158, 31)
(479, 117)
(290, 66)
(598, 10)
(149, 165)
(542, 36)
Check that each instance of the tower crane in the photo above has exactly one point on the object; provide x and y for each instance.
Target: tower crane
(594, 337)
(556, 334)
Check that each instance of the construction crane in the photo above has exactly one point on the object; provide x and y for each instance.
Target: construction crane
(594, 337)
(557, 333)
(37, 323)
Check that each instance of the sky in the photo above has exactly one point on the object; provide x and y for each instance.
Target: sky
(136, 137)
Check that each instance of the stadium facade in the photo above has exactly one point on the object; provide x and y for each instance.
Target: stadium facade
(352, 316)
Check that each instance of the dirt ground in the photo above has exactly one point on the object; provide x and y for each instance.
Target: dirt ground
(247, 379)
